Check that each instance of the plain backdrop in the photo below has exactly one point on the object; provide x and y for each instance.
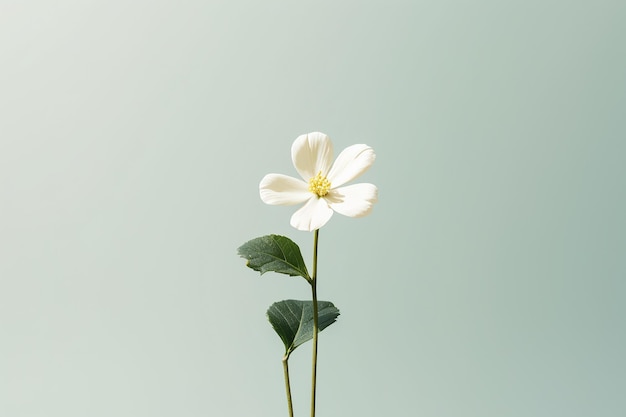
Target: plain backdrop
(489, 280)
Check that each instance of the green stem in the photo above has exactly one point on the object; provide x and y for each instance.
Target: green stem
(287, 385)
(315, 322)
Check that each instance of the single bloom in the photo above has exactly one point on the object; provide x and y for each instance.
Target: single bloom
(321, 187)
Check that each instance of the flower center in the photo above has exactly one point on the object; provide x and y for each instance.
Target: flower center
(319, 185)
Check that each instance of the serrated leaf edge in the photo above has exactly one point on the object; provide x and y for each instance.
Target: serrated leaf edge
(303, 273)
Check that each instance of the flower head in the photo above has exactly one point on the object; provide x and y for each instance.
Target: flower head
(321, 187)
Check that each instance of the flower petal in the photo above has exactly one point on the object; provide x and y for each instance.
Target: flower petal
(278, 189)
(354, 200)
(313, 215)
(312, 153)
(351, 162)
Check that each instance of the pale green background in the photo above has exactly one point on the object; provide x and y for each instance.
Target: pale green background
(489, 281)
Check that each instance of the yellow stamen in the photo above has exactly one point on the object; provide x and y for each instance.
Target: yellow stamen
(319, 185)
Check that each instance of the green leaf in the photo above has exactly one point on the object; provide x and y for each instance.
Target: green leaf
(293, 320)
(274, 253)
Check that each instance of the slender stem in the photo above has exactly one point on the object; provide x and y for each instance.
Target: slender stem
(287, 385)
(315, 322)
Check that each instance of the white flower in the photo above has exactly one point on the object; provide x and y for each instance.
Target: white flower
(321, 188)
